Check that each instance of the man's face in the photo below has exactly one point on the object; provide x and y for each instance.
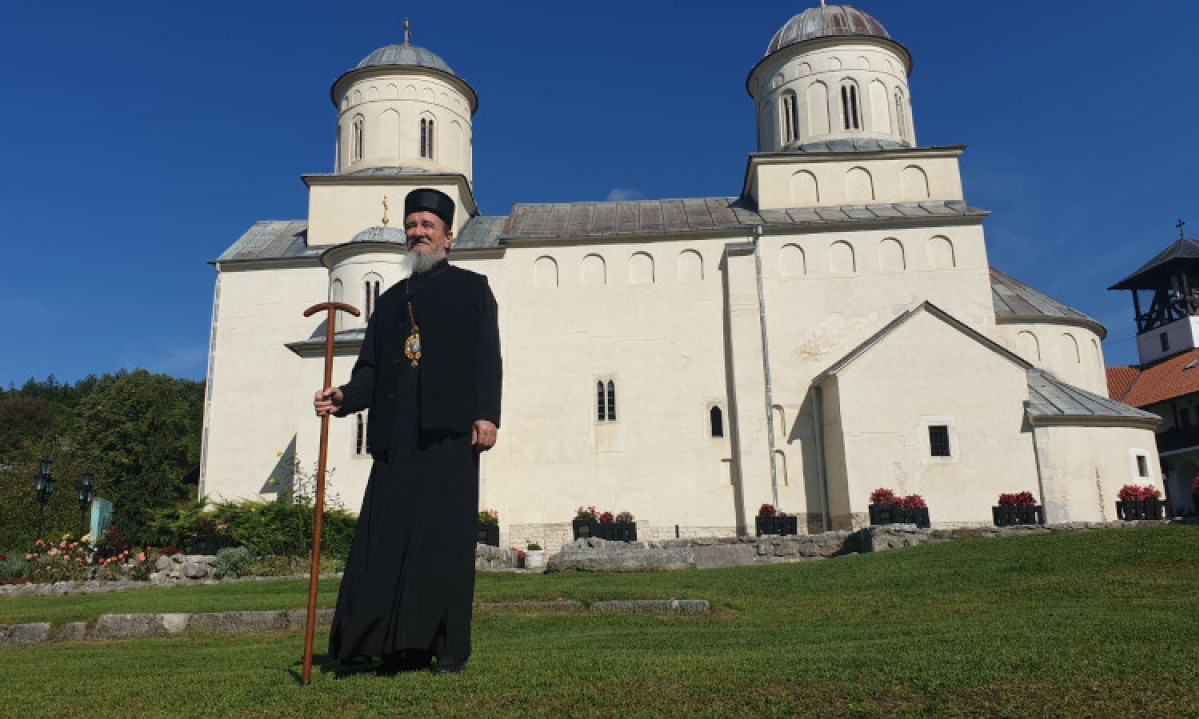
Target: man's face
(427, 233)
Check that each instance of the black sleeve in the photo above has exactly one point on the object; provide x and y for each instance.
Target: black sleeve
(360, 390)
(489, 367)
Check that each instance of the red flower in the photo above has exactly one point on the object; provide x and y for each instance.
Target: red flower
(607, 518)
(3, 558)
(913, 501)
(1195, 486)
(767, 510)
(1017, 499)
(883, 496)
(1137, 493)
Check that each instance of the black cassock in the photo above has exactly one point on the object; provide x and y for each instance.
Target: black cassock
(409, 581)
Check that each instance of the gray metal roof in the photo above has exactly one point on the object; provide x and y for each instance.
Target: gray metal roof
(1155, 273)
(270, 239)
(405, 55)
(648, 217)
(480, 233)
(1015, 302)
(392, 235)
(1049, 398)
(830, 21)
(845, 146)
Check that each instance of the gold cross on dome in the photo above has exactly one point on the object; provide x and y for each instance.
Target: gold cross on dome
(1180, 225)
(407, 30)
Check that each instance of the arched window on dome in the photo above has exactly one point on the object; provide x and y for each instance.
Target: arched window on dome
(426, 137)
(790, 117)
(850, 111)
(357, 138)
(372, 287)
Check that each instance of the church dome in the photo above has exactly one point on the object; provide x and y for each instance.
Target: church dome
(826, 21)
(405, 54)
(378, 233)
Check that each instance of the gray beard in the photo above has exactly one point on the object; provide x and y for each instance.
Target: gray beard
(423, 262)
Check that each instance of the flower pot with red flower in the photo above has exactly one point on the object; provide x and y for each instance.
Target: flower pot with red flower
(1017, 508)
(886, 507)
(1140, 502)
(488, 531)
(774, 521)
(584, 522)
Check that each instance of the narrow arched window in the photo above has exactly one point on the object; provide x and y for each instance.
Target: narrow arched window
(361, 443)
(426, 137)
(371, 289)
(790, 118)
(849, 106)
(901, 120)
(605, 401)
(716, 421)
(357, 139)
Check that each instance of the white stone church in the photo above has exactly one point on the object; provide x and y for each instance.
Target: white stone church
(833, 329)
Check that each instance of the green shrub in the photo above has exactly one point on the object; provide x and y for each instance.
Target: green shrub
(234, 562)
(267, 528)
(13, 567)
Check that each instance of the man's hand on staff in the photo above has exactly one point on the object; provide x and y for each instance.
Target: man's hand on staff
(328, 401)
(482, 435)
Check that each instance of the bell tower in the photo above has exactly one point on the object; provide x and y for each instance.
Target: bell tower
(1165, 300)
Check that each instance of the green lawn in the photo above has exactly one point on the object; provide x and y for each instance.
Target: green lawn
(1100, 624)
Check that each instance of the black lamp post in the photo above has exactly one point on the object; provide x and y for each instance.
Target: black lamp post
(43, 484)
(85, 492)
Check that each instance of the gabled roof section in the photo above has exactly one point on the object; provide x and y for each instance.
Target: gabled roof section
(1156, 272)
(480, 233)
(894, 324)
(1177, 376)
(270, 240)
(1120, 380)
(579, 220)
(1052, 401)
(1017, 302)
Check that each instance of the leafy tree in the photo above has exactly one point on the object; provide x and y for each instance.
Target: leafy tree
(140, 434)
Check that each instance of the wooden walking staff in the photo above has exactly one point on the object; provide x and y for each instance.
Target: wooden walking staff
(319, 508)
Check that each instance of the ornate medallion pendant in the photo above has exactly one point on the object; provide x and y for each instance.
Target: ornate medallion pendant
(412, 347)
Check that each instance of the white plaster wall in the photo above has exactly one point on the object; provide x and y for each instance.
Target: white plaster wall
(1083, 468)
(1072, 353)
(661, 343)
(1180, 335)
(390, 143)
(776, 185)
(923, 372)
(338, 211)
(830, 64)
(256, 385)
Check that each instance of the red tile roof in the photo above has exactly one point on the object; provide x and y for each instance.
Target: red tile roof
(1120, 380)
(1175, 377)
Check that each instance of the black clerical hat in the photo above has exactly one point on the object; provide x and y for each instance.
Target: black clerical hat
(430, 200)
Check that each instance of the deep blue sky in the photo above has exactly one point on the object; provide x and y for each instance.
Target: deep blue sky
(142, 138)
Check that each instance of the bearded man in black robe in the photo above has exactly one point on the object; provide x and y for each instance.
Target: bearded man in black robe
(429, 372)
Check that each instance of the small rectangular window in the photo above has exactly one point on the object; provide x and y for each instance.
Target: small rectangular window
(938, 440)
(1165, 338)
(1142, 465)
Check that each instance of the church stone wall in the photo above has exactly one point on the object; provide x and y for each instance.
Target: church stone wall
(832, 181)
(927, 372)
(1083, 467)
(256, 385)
(390, 107)
(1072, 353)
